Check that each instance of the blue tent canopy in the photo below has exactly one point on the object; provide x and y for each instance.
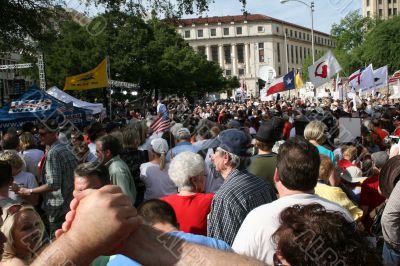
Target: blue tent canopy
(37, 106)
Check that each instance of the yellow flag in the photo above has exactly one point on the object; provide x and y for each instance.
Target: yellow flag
(93, 79)
(299, 81)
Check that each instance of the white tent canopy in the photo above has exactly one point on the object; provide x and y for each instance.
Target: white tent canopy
(65, 97)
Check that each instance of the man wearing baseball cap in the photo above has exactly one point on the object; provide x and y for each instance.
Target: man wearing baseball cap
(241, 191)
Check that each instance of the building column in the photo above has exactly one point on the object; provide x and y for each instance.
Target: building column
(234, 59)
(254, 51)
(247, 58)
(208, 52)
(221, 55)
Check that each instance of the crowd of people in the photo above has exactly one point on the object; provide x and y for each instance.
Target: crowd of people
(215, 182)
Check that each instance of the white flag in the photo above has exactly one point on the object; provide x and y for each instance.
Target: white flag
(362, 79)
(323, 69)
(381, 77)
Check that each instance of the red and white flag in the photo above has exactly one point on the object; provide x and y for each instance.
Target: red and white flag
(362, 79)
(323, 69)
(160, 124)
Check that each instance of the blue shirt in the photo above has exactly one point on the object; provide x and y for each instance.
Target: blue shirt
(181, 147)
(329, 153)
(121, 260)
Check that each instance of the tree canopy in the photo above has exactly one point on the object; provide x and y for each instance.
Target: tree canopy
(150, 54)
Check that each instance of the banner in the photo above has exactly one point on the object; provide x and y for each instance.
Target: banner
(323, 69)
(362, 79)
(381, 77)
(93, 79)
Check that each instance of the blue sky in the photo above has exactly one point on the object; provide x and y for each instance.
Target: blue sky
(327, 12)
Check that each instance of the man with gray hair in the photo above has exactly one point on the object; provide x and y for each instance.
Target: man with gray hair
(241, 191)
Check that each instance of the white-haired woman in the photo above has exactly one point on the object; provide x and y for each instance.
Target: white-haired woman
(154, 174)
(316, 133)
(24, 231)
(187, 171)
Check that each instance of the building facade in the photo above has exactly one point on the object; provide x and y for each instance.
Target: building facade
(242, 45)
(380, 8)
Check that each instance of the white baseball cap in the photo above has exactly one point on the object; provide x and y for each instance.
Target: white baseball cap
(159, 145)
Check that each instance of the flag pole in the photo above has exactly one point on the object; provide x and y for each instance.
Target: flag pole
(109, 86)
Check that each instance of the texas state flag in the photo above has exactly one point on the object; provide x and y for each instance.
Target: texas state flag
(284, 83)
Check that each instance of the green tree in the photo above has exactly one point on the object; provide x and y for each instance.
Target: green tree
(150, 54)
(381, 46)
(34, 20)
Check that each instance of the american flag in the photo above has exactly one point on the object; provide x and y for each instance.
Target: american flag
(68, 107)
(160, 124)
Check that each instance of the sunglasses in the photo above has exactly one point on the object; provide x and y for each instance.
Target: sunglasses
(13, 209)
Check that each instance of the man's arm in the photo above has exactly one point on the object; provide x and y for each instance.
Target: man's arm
(146, 241)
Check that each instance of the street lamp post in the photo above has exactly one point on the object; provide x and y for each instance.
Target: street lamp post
(310, 5)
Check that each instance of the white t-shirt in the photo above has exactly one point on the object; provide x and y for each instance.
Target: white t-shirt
(23, 179)
(157, 182)
(32, 158)
(254, 236)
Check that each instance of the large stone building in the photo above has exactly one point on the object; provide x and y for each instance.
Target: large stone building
(380, 8)
(241, 45)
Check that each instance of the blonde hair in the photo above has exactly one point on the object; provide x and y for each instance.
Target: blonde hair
(349, 152)
(27, 141)
(8, 227)
(13, 159)
(315, 130)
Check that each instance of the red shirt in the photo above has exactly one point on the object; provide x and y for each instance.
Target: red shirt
(286, 130)
(370, 197)
(345, 163)
(191, 211)
(397, 132)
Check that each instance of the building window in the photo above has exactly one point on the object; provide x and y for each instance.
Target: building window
(200, 33)
(240, 53)
(286, 32)
(239, 30)
(227, 54)
(301, 54)
(297, 54)
(187, 34)
(308, 37)
(292, 53)
(260, 29)
(394, 11)
(214, 54)
(226, 31)
(228, 72)
(389, 1)
(394, 1)
(295, 34)
(241, 72)
(279, 71)
(389, 12)
(367, 2)
(277, 29)
(368, 14)
(291, 33)
(380, 12)
(278, 50)
(261, 52)
(213, 32)
(201, 50)
(304, 36)
(380, 2)
(309, 51)
(305, 51)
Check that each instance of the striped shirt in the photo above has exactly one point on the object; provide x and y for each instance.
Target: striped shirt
(58, 174)
(241, 193)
